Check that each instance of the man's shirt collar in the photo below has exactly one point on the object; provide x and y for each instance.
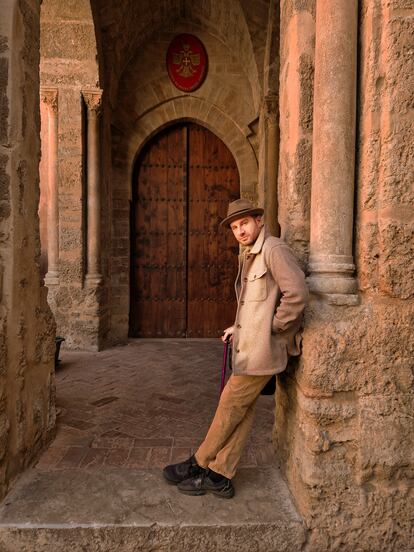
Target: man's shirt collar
(258, 244)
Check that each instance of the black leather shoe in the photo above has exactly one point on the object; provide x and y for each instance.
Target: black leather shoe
(175, 473)
(201, 484)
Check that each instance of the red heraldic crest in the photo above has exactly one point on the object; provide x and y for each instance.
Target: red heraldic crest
(187, 62)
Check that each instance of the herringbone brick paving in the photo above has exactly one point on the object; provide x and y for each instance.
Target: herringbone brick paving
(143, 405)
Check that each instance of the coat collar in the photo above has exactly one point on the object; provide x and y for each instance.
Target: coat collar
(258, 244)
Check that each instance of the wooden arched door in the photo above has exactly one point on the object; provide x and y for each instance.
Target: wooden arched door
(183, 266)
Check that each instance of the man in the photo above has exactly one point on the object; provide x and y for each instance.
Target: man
(271, 295)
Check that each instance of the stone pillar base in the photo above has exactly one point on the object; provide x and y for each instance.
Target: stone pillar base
(93, 280)
(51, 279)
(331, 282)
(332, 274)
(337, 299)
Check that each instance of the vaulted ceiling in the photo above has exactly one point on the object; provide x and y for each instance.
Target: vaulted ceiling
(122, 28)
(97, 39)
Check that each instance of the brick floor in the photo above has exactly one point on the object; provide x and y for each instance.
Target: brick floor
(142, 406)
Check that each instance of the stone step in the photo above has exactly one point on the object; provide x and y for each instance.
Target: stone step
(118, 510)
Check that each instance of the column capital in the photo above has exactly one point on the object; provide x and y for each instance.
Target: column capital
(271, 106)
(49, 96)
(93, 100)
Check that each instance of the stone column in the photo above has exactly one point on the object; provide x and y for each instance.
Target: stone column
(49, 96)
(271, 107)
(332, 198)
(93, 101)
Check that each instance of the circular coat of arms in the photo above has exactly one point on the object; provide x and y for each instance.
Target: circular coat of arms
(187, 62)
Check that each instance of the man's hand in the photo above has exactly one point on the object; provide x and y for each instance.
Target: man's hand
(228, 334)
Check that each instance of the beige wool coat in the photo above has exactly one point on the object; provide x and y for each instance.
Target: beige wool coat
(271, 295)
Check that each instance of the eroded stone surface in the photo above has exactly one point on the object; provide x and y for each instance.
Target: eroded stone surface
(125, 498)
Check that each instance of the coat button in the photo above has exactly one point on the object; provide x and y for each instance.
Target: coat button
(241, 302)
(237, 350)
(244, 279)
(238, 325)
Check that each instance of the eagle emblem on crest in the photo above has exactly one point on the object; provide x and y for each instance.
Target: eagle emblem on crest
(186, 60)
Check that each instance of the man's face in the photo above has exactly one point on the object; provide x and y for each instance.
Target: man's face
(246, 229)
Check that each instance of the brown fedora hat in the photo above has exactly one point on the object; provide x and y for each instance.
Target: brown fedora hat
(239, 209)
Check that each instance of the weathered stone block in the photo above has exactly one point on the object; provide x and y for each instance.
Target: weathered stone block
(68, 40)
(306, 71)
(367, 253)
(70, 173)
(70, 239)
(70, 270)
(396, 263)
(52, 10)
(340, 355)
(387, 441)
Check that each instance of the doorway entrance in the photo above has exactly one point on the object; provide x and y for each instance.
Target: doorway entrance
(183, 266)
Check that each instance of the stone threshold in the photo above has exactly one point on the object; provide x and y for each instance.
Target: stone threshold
(123, 510)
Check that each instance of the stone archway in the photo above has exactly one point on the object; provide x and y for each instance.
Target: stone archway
(185, 108)
(202, 112)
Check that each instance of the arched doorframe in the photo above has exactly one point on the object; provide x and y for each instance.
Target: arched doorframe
(127, 145)
(204, 113)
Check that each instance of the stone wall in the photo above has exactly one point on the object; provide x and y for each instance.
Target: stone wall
(27, 329)
(344, 413)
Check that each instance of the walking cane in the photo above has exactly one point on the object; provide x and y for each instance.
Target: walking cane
(223, 369)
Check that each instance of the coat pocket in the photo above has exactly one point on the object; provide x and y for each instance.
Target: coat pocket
(257, 285)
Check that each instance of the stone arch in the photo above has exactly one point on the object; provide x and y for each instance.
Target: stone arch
(145, 89)
(200, 111)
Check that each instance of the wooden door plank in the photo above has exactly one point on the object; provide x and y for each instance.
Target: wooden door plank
(212, 265)
(158, 292)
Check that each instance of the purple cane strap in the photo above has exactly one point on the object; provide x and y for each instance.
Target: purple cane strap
(223, 369)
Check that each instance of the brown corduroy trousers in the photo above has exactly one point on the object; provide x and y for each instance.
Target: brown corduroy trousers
(225, 440)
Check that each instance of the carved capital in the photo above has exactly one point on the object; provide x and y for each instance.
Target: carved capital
(271, 106)
(49, 96)
(93, 100)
